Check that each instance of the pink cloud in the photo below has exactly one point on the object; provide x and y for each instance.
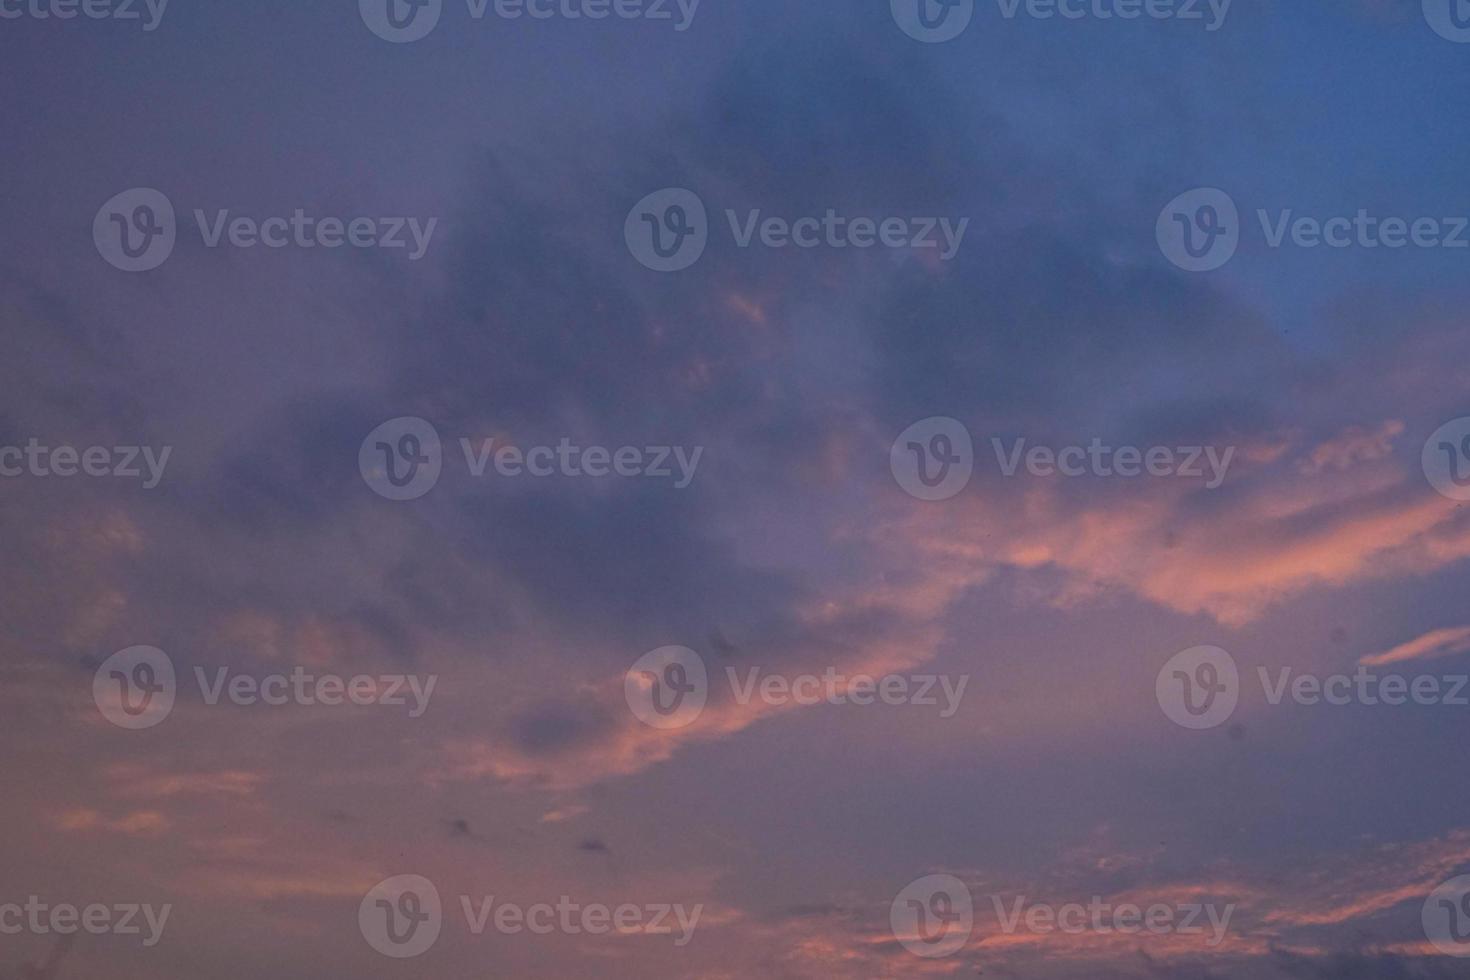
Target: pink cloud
(1436, 643)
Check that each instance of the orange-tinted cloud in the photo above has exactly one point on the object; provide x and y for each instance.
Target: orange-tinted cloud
(1231, 553)
(1436, 643)
(138, 823)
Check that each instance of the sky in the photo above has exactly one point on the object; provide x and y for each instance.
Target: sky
(734, 489)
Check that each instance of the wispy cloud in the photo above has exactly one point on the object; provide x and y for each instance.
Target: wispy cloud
(1436, 643)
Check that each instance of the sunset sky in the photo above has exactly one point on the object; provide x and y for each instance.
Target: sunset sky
(791, 547)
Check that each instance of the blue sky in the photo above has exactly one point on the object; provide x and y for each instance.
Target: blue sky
(799, 546)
